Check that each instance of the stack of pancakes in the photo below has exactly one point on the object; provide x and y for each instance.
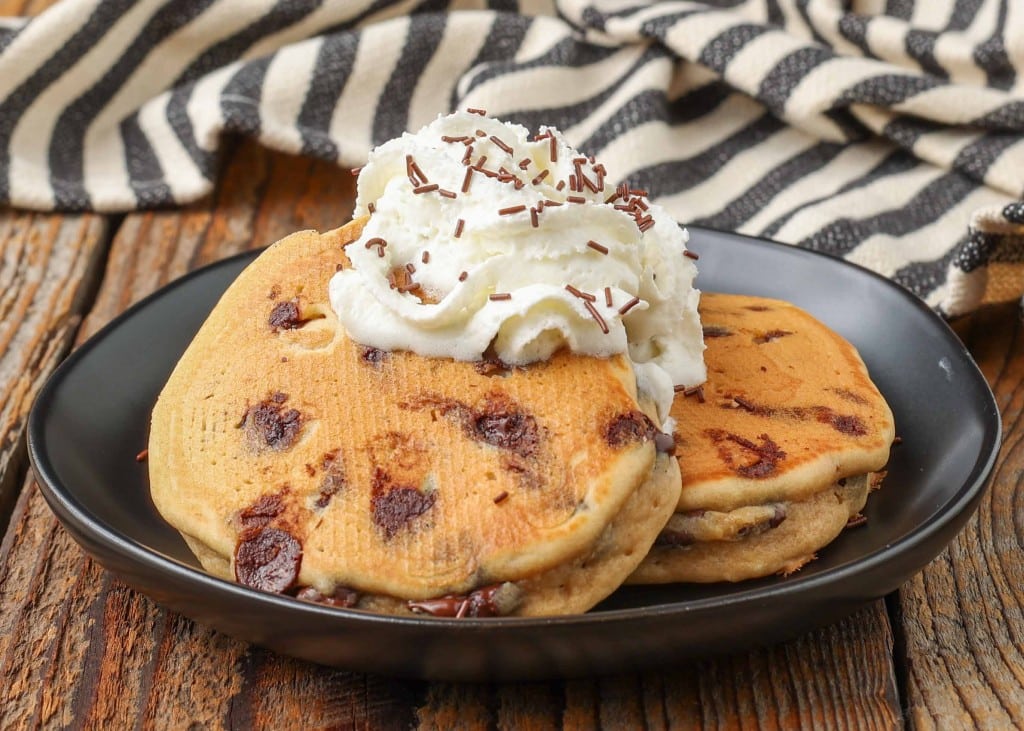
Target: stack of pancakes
(296, 461)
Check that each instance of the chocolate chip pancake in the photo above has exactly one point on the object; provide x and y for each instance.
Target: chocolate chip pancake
(294, 460)
(778, 450)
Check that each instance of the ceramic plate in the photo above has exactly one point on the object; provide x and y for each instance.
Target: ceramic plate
(91, 420)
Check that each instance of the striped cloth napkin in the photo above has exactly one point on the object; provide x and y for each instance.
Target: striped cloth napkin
(888, 132)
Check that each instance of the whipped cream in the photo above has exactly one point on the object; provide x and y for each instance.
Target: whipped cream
(485, 241)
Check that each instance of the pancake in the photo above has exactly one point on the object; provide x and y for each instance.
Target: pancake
(777, 451)
(296, 461)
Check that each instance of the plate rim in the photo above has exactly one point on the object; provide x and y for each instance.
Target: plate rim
(64, 503)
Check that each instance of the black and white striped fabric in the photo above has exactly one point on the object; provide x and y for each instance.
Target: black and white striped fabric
(888, 132)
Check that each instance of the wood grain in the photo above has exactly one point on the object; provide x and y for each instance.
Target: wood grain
(961, 619)
(838, 677)
(79, 649)
(48, 269)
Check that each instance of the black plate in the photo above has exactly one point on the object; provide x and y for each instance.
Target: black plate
(92, 418)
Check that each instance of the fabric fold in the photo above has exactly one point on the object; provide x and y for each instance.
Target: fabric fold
(891, 134)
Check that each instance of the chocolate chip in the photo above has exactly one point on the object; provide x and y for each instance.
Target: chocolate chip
(674, 538)
(268, 559)
(489, 601)
(395, 506)
(264, 510)
(341, 597)
(848, 395)
(777, 518)
(665, 442)
(771, 335)
(491, 367)
(270, 425)
(373, 356)
(633, 426)
(286, 316)
(768, 454)
(843, 423)
(333, 481)
(512, 430)
(716, 331)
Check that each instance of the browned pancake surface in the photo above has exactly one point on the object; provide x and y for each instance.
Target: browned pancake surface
(787, 409)
(775, 450)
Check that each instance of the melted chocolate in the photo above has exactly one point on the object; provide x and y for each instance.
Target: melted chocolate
(716, 331)
(851, 396)
(272, 426)
(511, 430)
(674, 538)
(491, 367)
(480, 603)
(286, 316)
(843, 423)
(848, 424)
(333, 481)
(767, 454)
(267, 559)
(770, 336)
(633, 426)
(395, 506)
(264, 510)
(342, 597)
(778, 516)
(373, 356)
(499, 421)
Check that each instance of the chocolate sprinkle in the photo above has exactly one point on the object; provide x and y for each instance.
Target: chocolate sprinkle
(501, 143)
(596, 315)
(597, 247)
(511, 209)
(499, 296)
(629, 305)
(856, 521)
(578, 293)
(459, 224)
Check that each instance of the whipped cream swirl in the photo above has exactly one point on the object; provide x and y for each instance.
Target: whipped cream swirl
(483, 241)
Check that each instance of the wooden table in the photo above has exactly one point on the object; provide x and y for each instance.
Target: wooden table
(79, 649)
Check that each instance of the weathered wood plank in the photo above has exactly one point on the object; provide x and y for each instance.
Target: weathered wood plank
(48, 269)
(961, 618)
(837, 677)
